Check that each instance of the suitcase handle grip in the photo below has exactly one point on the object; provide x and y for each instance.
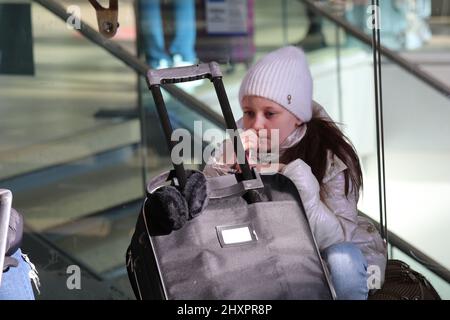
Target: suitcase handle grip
(184, 74)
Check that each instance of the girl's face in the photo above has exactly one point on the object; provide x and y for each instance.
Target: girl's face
(261, 113)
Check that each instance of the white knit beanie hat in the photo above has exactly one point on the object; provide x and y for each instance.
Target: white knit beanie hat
(282, 76)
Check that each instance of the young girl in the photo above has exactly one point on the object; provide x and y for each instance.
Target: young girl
(276, 93)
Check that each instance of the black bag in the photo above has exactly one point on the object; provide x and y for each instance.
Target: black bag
(252, 241)
(16, 39)
(403, 283)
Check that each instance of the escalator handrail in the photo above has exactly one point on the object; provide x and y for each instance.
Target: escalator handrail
(412, 68)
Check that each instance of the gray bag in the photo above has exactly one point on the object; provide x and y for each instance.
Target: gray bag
(237, 248)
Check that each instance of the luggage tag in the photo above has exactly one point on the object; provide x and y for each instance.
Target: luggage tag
(236, 235)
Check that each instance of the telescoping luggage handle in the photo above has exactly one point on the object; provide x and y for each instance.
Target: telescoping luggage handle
(5, 213)
(211, 71)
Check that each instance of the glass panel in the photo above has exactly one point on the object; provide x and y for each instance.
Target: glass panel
(411, 25)
(415, 158)
(416, 149)
(75, 175)
(415, 144)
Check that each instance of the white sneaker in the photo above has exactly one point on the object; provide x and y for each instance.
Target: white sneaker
(162, 64)
(425, 32)
(179, 62)
(412, 41)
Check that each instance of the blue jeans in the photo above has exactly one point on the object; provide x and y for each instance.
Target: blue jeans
(16, 282)
(393, 23)
(152, 29)
(348, 269)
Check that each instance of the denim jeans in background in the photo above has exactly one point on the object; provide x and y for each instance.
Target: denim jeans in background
(348, 269)
(16, 282)
(152, 30)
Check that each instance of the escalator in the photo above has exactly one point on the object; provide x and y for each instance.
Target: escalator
(80, 181)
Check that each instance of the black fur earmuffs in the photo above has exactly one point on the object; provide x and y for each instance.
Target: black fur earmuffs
(169, 208)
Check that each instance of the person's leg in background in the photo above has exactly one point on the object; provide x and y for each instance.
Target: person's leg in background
(348, 269)
(182, 48)
(393, 23)
(16, 281)
(357, 16)
(153, 34)
(314, 38)
(424, 13)
(418, 32)
(183, 45)
(315, 23)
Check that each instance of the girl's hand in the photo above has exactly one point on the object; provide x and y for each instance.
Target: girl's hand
(249, 140)
(252, 144)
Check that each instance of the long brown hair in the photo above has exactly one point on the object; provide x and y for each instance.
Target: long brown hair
(322, 135)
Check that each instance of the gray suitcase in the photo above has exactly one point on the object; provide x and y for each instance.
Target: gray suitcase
(252, 241)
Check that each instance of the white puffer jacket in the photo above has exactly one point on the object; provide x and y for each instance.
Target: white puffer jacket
(332, 215)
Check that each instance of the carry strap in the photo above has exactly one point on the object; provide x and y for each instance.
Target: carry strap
(379, 116)
(156, 78)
